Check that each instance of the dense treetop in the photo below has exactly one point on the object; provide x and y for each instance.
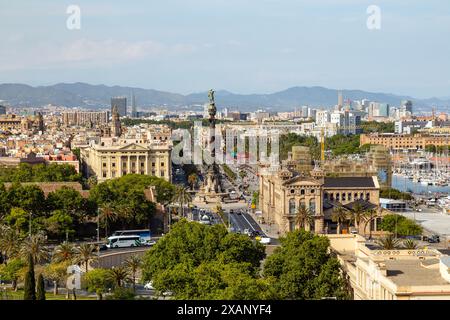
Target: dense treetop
(195, 261)
(40, 173)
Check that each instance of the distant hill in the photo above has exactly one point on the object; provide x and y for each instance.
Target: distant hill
(98, 96)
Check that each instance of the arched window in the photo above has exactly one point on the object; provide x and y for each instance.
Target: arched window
(325, 195)
(343, 196)
(331, 196)
(291, 225)
(349, 196)
(292, 208)
(302, 203)
(368, 196)
(361, 196)
(312, 206)
(337, 197)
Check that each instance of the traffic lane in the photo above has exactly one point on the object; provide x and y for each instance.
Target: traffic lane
(246, 222)
(238, 224)
(255, 226)
(251, 224)
(119, 250)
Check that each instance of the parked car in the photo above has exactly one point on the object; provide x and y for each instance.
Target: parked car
(265, 240)
(434, 239)
(103, 247)
(149, 243)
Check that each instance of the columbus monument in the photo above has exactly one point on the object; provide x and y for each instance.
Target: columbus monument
(211, 190)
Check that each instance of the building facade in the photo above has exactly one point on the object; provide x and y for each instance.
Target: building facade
(404, 141)
(376, 274)
(85, 118)
(283, 192)
(110, 159)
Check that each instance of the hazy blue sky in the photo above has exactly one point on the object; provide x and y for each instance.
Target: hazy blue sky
(243, 46)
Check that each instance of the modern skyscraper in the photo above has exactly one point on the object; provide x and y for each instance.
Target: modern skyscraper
(407, 105)
(340, 100)
(121, 104)
(133, 106)
(383, 110)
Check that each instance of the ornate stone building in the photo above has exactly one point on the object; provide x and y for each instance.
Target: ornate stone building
(112, 158)
(283, 192)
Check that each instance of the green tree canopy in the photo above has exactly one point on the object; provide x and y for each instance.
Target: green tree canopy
(178, 260)
(11, 271)
(40, 173)
(401, 225)
(31, 198)
(126, 196)
(60, 223)
(302, 268)
(18, 219)
(98, 281)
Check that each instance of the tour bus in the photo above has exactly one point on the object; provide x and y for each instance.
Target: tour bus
(144, 234)
(124, 241)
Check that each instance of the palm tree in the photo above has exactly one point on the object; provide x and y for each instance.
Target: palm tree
(64, 252)
(182, 196)
(9, 242)
(358, 214)
(35, 245)
(389, 242)
(192, 179)
(108, 214)
(119, 275)
(133, 264)
(84, 253)
(369, 216)
(339, 215)
(410, 244)
(304, 218)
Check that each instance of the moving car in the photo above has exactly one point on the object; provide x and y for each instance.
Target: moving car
(205, 219)
(149, 286)
(149, 243)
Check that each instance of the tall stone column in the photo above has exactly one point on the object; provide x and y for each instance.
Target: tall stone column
(146, 164)
(318, 225)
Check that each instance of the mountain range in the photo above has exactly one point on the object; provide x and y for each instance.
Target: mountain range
(98, 96)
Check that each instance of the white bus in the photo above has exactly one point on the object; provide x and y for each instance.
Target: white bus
(144, 234)
(124, 242)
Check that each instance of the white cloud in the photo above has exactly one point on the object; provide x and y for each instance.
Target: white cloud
(87, 52)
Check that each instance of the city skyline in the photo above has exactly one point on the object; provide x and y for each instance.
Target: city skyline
(167, 46)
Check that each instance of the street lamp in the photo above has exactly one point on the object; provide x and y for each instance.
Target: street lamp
(98, 232)
(29, 223)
